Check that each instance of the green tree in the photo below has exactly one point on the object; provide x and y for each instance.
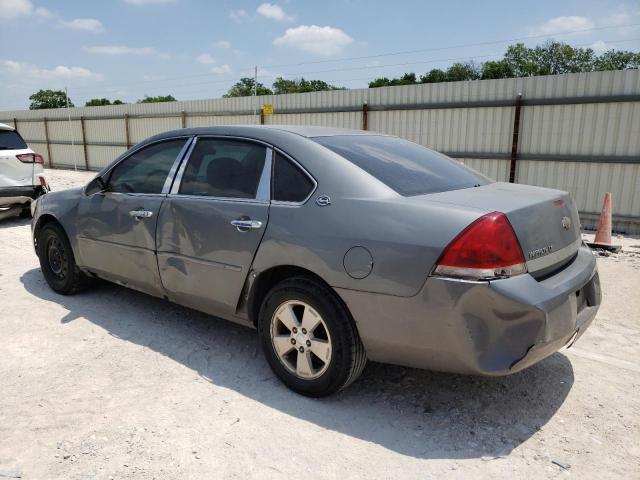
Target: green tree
(434, 76)
(244, 88)
(522, 60)
(380, 82)
(617, 60)
(282, 85)
(555, 58)
(496, 69)
(158, 99)
(49, 99)
(551, 58)
(463, 71)
(405, 79)
(98, 102)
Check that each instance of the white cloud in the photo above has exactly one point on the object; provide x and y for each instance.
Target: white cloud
(559, 25)
(600, 46)
(42, 12)
(237, 15)
(222, 44)
(120, 50)
(15, 8)
(85, 24)
(273, 11)
(205, 59)
(325, 41)
(220, 69)
(624, 16)
(59, 72)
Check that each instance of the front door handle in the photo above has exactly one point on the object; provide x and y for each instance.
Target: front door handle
(246, 225)
(139, 214)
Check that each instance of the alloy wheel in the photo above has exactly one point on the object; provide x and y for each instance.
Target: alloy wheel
(301, 339)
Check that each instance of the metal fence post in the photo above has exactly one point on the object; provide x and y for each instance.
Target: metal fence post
(46, 139)
(183, 115)
(126, 130)
(15, 124)
(515, 139)
(84, 143)
(365, 116)
(262, 116)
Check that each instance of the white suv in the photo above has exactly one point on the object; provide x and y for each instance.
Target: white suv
(21, 174)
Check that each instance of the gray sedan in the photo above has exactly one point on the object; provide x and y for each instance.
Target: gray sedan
(336, 245)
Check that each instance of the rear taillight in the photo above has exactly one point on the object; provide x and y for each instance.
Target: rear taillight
(486, 249)
(30, 158)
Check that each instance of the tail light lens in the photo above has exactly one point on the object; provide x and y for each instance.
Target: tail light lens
(30, 158)
(486, 249)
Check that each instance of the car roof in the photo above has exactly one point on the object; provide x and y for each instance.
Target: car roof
(263, 132)
(4, 126)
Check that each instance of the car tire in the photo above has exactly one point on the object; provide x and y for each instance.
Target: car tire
(57, 261)
(297, 358)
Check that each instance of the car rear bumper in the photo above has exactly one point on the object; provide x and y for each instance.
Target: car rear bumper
(486, 328)
(17, 195)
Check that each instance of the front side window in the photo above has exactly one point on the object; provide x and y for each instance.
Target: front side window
(146, 170)
(406, 167)
(290, 184)
(224, 168)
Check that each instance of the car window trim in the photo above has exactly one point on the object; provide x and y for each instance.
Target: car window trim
(285, 203)
(263, 192)
(107, 172)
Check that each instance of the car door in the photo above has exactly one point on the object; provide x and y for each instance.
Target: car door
(117, 226)
(211, 224)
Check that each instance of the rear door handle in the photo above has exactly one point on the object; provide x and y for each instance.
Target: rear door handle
(246, 225)
(139, 214)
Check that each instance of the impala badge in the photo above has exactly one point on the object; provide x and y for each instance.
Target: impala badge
(540, 252)
(566, 223)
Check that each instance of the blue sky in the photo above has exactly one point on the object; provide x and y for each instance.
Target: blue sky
(197, 49)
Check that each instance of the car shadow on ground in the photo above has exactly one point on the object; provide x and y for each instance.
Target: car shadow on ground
(414, 412)
(13, 221)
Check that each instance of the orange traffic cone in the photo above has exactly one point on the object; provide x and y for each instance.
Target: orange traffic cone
(603, 234)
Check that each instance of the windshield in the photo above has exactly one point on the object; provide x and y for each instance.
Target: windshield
(10, 140)
(408, 168)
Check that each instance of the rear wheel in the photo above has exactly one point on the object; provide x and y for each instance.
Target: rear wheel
(57, 261)
(309, 338)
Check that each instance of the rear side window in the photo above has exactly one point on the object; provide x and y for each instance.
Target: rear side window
(406, 167)
(146, 170)
(10, 140)
(224, 168)
(290, 184)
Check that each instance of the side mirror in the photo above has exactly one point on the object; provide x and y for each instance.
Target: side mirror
(96, 185)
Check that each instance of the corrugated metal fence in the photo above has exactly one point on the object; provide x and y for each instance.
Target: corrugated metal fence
(577, 132)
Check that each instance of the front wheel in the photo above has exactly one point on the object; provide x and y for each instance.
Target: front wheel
(57, 262)
(309, 338)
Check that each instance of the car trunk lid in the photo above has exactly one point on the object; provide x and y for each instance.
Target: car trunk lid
(545, 221)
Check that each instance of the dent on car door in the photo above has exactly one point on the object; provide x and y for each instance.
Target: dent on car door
(116, 227)
(212, 223)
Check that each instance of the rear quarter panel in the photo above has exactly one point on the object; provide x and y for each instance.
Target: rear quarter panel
(405, 237)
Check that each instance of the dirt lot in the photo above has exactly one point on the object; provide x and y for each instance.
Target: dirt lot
(112, 383)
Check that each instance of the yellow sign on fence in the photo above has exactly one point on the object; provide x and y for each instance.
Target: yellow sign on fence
(267, 109)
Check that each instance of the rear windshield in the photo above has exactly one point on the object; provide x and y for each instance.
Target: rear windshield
(10, 140)
(406, 167)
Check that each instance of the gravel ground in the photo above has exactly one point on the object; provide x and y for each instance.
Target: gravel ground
(111, 383)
